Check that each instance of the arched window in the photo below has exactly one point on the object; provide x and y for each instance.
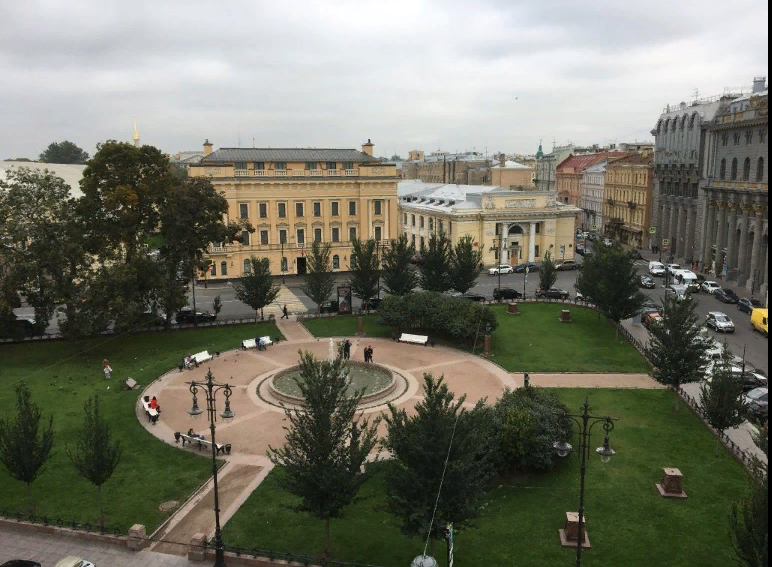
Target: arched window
(247, 266)
(336, 262)
(747, 169)
(734, 169)
(223, 268)
(722, 172)
(760, 170)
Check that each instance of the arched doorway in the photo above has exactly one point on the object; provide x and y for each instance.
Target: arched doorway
(516, 243)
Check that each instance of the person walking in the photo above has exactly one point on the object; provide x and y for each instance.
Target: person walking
(284, 311)
(366, 352)
(370, 353)
(107, 369)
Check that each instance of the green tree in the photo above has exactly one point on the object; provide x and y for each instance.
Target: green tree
(63, 152)
(465, 264)
(548, 272)
(609, 280)
(24, 445)
(436, 267)
(722, 397)
(399, 276)
(96, 454)
(217, 305)
(366, 272)
(319, 280)
(677, 347)
(255, 288)
(445, 445)
(327, 442)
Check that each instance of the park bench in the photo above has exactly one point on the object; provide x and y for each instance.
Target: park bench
(152, 415)
(224, 448)
(252, 343)
(201, 357)
(413, 339)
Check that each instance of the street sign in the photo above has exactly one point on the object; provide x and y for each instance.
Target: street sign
(595, 228)
(665, 242)
(652, 230)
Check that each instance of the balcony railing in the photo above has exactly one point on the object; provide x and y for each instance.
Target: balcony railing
(217, 249)
(299, 173)
(261, 172)
(333, 173)
(315, 172)
(351, 172)
(280, 172)
(296, 173)
(240, 172)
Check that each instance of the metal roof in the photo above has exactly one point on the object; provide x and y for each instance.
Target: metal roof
(228, 155)
(71, 173)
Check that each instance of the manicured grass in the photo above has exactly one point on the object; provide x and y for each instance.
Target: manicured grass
(61, 376)
(627, 521)
(535, 341)
(345, 326)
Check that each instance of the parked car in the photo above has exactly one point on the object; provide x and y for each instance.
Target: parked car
(710, 287)
(651, 319)
(607, 241)
(581, 250)
(566, 265)
(473, 296)
(747, 305)
(552, 293)
(531, 267)
(506, 293)
(749, 379)
(74, 562)
(715, 349)
(758, 402)
(329, 307)
(20, 563)
(670, 268)
(186, 316)
(647, 308)
(373, 305)
(760, 321)
(679, 292)
(500, 269)
(656, 268)
(20, 328)
(647, 282)
(726, 296)
(719, 322)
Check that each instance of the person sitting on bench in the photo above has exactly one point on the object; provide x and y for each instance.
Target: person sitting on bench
(154, 405)
(194, 435)
(189, 362)
(260, 343)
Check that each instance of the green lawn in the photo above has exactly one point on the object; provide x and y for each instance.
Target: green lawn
(535, 341)
(150, 472)
(346, 326)
(628, 523)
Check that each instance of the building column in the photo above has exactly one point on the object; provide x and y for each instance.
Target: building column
(532, 243)
(753, 277)
(673, 231)
(731, 257)
(720, 239)
(691, 227)
(680, 238)
(386, 236)
(707, 238)
(742, 254)
(504, 238)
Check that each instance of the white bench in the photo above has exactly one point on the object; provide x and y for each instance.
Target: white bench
(414, 339)
(201, 357)
(252, 343)
(221, 447)
(152, 415)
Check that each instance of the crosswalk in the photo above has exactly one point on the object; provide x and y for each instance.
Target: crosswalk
(285, 297)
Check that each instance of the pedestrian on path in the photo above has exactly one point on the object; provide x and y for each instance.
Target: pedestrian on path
(369, 351)
(346, 349)
(284, 310)
(107, 369)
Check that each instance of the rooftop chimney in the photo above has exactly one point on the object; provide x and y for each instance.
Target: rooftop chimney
(503, 160)
(759, 84)
(368, 148)
(207, 148)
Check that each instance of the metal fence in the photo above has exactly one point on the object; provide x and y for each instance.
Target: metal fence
(61, 523)
(289, 557)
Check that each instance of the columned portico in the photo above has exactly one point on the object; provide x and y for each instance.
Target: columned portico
(709, 232)
(756, 249)
(504, 248)
(731, 240)
(742, 264)
(719, 258)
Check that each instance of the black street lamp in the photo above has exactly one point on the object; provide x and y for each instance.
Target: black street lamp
(562, 448)
(210, 390)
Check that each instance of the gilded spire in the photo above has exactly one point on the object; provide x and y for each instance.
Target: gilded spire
(136, 132)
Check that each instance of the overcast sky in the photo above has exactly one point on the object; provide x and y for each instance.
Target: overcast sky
(407, 74)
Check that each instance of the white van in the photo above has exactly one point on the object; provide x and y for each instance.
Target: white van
(656, 268)
(688, 279)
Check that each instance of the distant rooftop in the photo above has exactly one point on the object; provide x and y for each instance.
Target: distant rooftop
(71, 173)
(228, 155)
(509, 164)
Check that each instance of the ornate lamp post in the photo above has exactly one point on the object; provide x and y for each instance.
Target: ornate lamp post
(563, 448)
(210, 388)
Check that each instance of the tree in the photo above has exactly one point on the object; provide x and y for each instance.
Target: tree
(722, 397)
(435, 270)
(677, 347)
(366, 273)
(399, 276)
(24, 446)
(610, 281)
(442, 431)
(255, 287)
(217, 305)
(327, 442)
(96, 454)
(465, 264)
(548, 272)
(319, 280)
(63, 152)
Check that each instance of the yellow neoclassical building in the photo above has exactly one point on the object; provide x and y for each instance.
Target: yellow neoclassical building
(294, 196)
(510, 227)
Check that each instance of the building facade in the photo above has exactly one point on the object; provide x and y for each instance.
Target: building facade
(546, 167)
(510, 174)
(592, 197)
(295, 196)
(735, 238)
(628, 198)
(469, 168)
(508, 226)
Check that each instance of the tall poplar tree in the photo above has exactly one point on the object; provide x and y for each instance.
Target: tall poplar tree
(465, 264)
(255, 288)
(366, 273)
(436, 267)
(399, 275)
(319, 280)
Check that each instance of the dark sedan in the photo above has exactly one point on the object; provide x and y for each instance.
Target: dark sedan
(552, 293)
(506, 293)
(748, 305)
(186, 316)
(531, 267)
(647, 282)
(20, 563)
(727, 296)
(473, 296)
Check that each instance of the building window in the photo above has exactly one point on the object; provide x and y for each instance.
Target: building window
(263, 211)
(405, 221)
(440, 223)
(724, 139)
(536, 250)
(377, 207)
(260, 165)
(348, 165)
(431, 223)
(312, 165)
(241, 165)
(734, 169)
(282, 165)
(353, 262)
(317, 235)
(223, 268)
(317, 209)
(352, 233)
(283, 237)
(352, 208)
(282, 210)
(243, 211)
(722, 170)
(538, 229)
(450, 226)
(245, 237)
(213, 268)
(747, 169)
(298, 209)
(263, 237)
(334, 208)
(412, 239)
(247, 266)
(760, 170)
(748, 137)
(284, 264)
(336, 262)
(301, 236)
(331, 165)
(420, 222)
(762, 136)
(377, 233)
(422, 243)
(412, 220)
(736, 138)
(336, 235)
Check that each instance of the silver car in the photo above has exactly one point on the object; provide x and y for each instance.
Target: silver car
(719, 322)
